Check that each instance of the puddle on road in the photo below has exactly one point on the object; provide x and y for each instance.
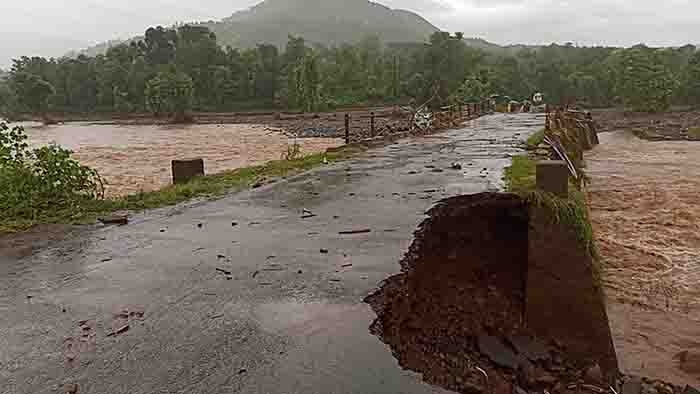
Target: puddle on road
(335, 352)
(137, 158)
(299, 318)
(646, 218)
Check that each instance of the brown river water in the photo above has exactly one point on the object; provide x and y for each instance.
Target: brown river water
(645, 205)
(137, 158)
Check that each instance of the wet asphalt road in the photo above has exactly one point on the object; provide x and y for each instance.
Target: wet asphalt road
(143, 309)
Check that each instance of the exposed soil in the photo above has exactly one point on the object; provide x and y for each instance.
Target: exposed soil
(456, 313)
(676, 125)
(646, 217)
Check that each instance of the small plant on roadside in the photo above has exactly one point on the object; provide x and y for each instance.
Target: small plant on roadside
(535, 140)
(39, 183)
(293, 152)
(694, 133)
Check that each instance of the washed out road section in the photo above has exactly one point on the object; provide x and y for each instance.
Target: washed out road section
(256, 292)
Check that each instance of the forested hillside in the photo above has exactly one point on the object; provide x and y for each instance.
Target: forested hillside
(320, 22)
(183, 69)
(327, 22)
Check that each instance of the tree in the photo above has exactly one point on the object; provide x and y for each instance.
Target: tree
(474, 89)
(642, 81)
(33, 92)
(8, 99)
(159, 45)
(691, 79)
(171, 93)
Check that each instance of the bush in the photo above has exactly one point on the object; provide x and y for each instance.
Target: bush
(39, 183)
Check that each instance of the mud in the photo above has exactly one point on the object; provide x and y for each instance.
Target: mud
(454, 286)
(461, 308)
(137, 158)
(675, 125)
(646, 219)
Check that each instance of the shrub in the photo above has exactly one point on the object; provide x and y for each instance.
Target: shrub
(38, 183)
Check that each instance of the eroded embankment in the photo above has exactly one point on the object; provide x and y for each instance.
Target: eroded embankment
(462, 311)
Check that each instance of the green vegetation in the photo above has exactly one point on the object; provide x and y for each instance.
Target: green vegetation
(520, 178)
(571, 212)
(694, 133)
(47, 186)
(535, 140)
(644, 82)
(170, 93)
(174, 70)
(36, 183)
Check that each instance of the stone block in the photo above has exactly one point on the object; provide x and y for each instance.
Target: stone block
(184, 170)
(553, 177)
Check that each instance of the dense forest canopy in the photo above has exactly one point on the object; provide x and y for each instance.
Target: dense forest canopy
(182, 69)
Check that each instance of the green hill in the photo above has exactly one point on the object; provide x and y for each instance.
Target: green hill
(328, 22)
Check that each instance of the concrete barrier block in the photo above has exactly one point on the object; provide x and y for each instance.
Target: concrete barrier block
(184, 170)
(553, 177)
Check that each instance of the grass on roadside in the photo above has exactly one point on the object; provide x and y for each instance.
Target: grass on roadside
(535, 140)
(694, 133)
(207, 187)
(520, 178)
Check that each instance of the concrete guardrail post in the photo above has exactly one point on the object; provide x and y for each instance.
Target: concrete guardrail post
(184, 170)
(347, 128)
(553, 177)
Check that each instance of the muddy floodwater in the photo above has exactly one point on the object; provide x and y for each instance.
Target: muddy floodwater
(646, 215)
(137, 158)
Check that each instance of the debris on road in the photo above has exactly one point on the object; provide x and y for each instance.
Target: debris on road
(119, 330)
(456, 166)
(324, 251)
(234, 224)
(119, 220)
(224, 271)
(351, 232)
(219, 316)
(306, 214)
(71, 388)
(199, 225)
(255, 273)
(346, 265)
(274, 269)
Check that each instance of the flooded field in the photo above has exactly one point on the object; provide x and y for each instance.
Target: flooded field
(646, 215)
(137, 158)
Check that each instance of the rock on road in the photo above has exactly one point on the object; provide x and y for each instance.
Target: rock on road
(257, 292)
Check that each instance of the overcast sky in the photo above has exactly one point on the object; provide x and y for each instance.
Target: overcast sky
(52, 27)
